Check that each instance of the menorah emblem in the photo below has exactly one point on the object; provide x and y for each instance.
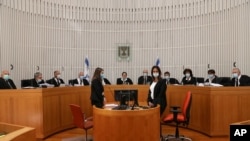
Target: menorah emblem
(123, 51)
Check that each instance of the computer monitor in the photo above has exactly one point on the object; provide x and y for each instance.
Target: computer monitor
(124, 96)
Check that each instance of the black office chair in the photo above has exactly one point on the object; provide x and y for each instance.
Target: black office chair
(26, 83)
(225, 81)
(200, 79)
(49, 81)
(173, 81)
(71, 82)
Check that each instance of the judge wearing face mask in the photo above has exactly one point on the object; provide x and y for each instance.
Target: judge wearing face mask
(80, 81)
(124, 79)
(5, 81)
(238, 79)
(37, 80)
(170, 80)
(144, 79)
(56, 80)
(157, 90)
(188, 78)
(212, 78)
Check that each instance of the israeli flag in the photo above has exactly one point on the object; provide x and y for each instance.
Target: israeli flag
(86, 68)
(157, 63)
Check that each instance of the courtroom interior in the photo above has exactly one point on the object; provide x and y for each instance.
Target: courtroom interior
(74, 70)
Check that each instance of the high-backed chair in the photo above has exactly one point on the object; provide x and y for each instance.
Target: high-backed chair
(179, 116)
(25, 83)
(79, 119)
(200, 79)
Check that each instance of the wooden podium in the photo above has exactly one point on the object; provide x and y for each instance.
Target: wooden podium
(16, 133)
(126, 125)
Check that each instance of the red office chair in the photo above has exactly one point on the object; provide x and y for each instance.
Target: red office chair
(179, 117)
(79, 119)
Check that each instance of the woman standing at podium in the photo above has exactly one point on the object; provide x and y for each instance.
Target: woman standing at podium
(157, 90)
(97, 90)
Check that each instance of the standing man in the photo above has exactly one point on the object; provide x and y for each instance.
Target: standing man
(144, 79)
(5, 81)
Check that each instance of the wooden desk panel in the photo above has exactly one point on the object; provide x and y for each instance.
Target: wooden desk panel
(126, 125)
(47, 109)
(213, 108)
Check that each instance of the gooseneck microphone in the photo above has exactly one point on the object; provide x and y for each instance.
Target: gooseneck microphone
(235, 82)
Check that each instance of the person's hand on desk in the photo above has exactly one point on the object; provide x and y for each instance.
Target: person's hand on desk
(104, 101)
(150, 104)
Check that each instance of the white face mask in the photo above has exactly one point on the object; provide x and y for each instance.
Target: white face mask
(155, 74)
(39, 80)
(58, 76)
(167, 77)
(145, 74)
(187, 74)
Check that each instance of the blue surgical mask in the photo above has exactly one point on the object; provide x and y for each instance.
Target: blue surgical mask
(235, 75)
(210, 76)
(6, 77)
(102, 75)
(81, 77)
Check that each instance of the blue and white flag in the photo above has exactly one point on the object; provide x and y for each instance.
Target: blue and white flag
(157, 63)
(86, 68)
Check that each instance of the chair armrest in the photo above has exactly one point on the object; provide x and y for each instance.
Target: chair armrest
(89, 119)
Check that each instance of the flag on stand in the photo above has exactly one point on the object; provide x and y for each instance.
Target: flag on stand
(157, 63)
(86, 68)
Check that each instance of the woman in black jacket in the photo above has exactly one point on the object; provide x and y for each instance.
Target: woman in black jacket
(97, 90)
(157, 90)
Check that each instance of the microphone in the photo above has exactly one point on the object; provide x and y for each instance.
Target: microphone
(235, 82)
(133, 106)
(196, 81)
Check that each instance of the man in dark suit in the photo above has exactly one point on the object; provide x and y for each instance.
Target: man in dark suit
(144, 79)
(5, 81)
(37, 80)
(239, 79)
(124, 79)
(56, 80)
(80, 81)
(170, 80)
